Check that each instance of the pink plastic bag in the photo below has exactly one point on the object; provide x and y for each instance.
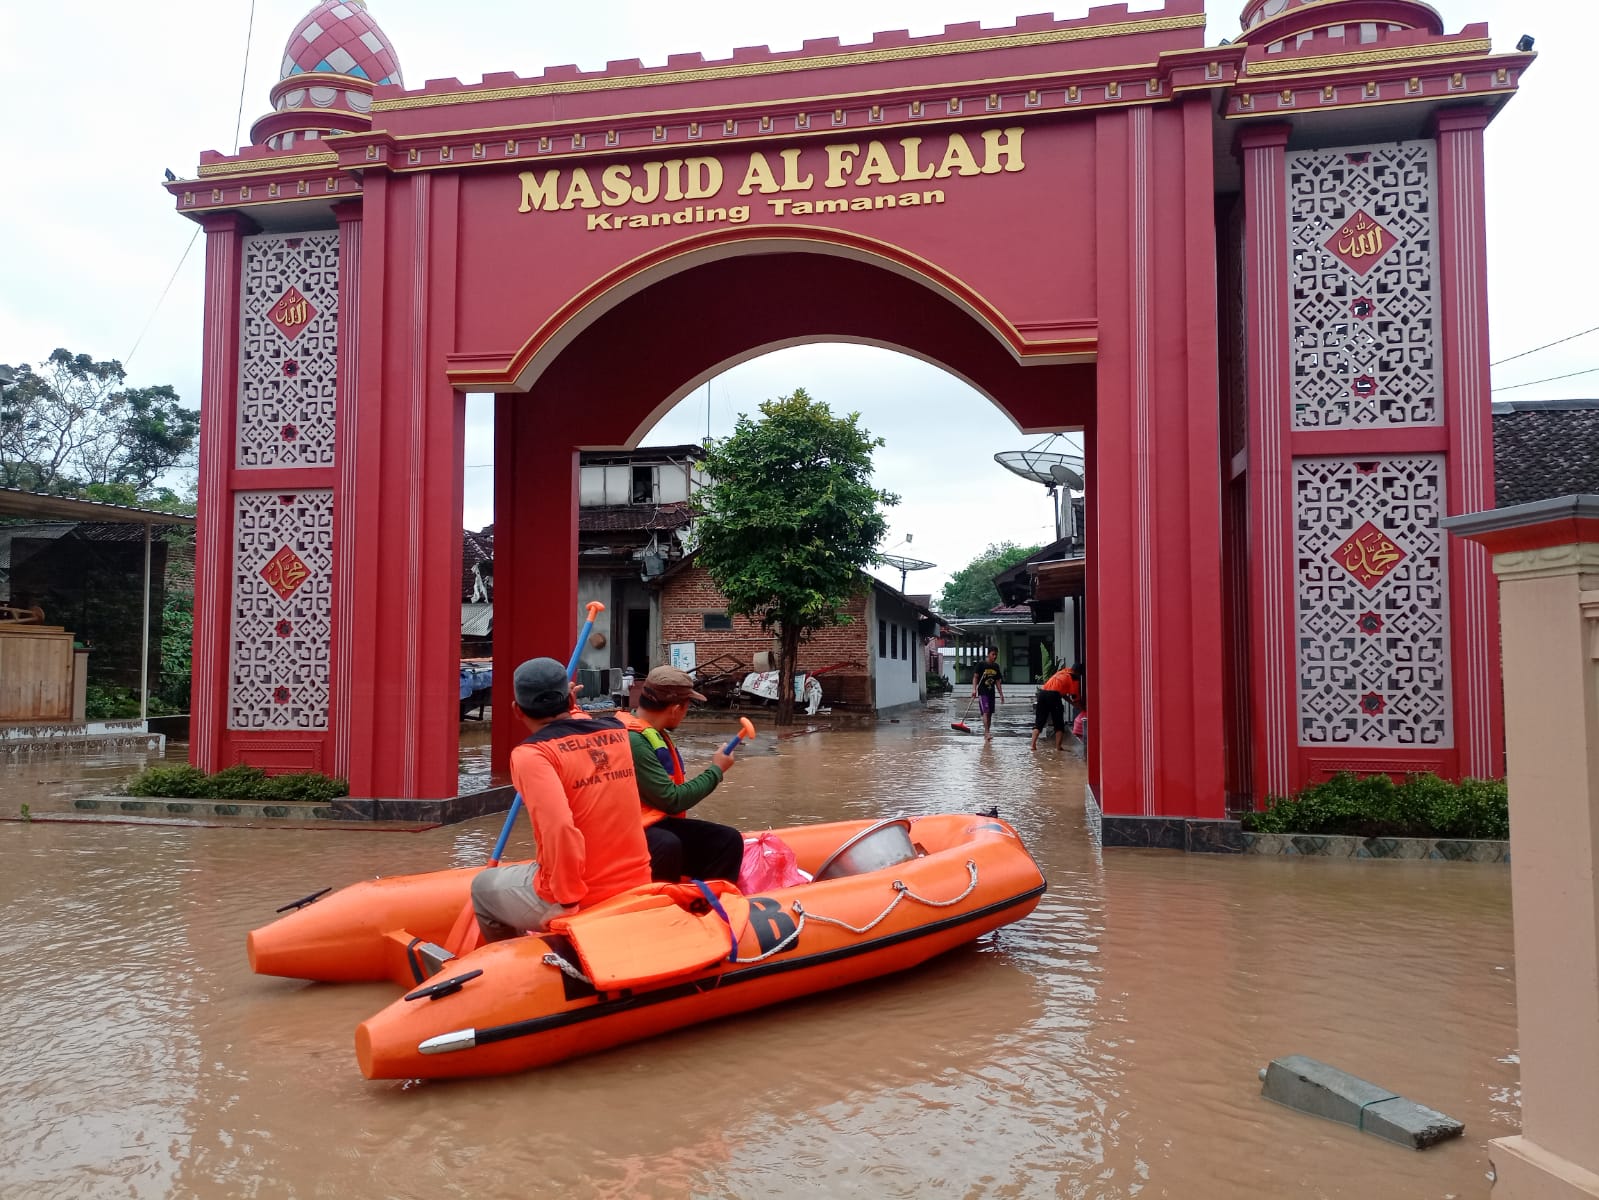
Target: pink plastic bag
(769, 863)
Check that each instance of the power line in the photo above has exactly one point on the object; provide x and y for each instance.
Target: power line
(1531, 382)
(151, 320)
(1545, 346)
(238, 121)
(244, 75)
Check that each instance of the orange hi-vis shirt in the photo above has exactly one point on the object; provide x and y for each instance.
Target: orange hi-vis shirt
(1061, 681)
(576, 778)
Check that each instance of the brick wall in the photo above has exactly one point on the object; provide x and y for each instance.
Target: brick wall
(689, 594)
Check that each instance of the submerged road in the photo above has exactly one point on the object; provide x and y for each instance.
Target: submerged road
(1105, 1047)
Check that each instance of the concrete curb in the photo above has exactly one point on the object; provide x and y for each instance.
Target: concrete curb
(1313, 1087)
(1318, 845)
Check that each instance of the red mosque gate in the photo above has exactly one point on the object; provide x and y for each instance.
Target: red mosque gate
(1252, 274)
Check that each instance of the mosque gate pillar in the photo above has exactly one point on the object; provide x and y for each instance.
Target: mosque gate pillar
(535, 547)
(405, 471)
(264, 586)
(1367, 423)
(1156, 509)
(213, 588)
(1468, 415)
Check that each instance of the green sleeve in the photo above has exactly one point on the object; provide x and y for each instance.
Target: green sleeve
(655, 786)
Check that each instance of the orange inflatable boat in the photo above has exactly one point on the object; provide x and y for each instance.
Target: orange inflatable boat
(887, 895)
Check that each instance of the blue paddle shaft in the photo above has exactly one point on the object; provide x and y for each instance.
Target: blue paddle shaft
(516, 800)
(733, 745)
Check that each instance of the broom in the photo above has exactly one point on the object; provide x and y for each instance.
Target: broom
(961, 725)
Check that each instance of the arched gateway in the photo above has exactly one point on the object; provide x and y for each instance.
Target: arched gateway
(1252, 274)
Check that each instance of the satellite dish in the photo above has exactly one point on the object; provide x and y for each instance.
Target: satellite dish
(1036, 465)
(904, 565)
(1066, 477)
(1049, 467)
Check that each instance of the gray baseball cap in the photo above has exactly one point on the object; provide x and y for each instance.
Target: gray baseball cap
(541, 687)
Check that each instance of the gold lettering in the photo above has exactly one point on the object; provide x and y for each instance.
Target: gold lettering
(861, 204)
(958, 159)
(291, 311)
(616, 183)
(1370, 557)
(1361, 238)
(839, 205)
(580, 191)
(540, 193)
(791, 179)
(877, 167)
(913, 160)
(704, 178)
(840, 162)
(803, 208)
(674, 179)
(758, 176)
(779, 205)
(1002, 144)
(652, 184)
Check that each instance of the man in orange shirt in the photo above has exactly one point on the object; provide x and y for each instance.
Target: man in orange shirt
(1052, 697)
(575, 775)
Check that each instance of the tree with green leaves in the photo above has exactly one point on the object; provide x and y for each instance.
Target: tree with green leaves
(971, 590)
(71, 427)
(790, 521)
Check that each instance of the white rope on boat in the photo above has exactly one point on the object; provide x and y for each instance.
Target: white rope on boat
(901, 892)
(555, 960)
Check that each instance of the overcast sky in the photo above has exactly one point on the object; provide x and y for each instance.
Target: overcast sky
(100, 95)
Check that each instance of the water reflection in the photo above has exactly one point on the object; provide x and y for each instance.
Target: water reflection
(1106, 1047)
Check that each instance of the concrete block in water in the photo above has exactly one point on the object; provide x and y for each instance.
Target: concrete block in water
(1314, 1087)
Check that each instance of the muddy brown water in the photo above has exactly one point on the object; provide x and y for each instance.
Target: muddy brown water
(1105, 1047)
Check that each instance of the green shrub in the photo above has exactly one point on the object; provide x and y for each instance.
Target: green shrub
(179, 782)
(239, 782)
(310, 786)
(1374, 806)
(103, 702)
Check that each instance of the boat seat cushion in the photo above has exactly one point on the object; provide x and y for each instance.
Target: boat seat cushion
(654, 933)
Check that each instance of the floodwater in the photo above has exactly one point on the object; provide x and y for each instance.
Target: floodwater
(1107, 1046)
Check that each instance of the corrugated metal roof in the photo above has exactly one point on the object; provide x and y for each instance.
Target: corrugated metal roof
(15, 502)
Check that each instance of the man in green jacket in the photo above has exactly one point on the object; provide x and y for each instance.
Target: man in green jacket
(680, 846)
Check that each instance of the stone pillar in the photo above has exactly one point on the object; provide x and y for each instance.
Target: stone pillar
(1546, 555)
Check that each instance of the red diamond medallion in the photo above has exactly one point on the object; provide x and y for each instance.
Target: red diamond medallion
(285, 572)
(1368, 554)
(1360, 242)
(291, 314)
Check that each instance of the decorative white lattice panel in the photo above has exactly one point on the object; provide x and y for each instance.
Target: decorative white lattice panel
(1371, 596)
(288, 350)
(1362, 227)
(282, 604)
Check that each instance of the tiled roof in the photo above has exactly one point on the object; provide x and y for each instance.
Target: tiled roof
(620, 518)
(475, 548)
(1545, 449)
